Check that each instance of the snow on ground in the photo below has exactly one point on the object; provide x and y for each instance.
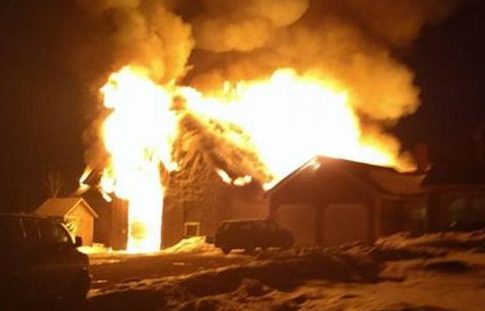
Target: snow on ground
(99, 254)
(96, 248)
(451, 240)
(400, 273)
(195, 244)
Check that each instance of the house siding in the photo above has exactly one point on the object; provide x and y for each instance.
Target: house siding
(349, 204)
(327, 188)
(221, 202)
(84, 223)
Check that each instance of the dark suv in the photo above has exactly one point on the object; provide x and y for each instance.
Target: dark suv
(39, 261)
(250, 234)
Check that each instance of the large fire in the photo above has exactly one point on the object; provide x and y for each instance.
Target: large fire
(137, 135)
(288, 117)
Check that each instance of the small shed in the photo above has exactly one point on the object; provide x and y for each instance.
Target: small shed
(78, 214)
(331, 201)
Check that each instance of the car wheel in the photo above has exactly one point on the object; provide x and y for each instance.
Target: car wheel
(78, 291)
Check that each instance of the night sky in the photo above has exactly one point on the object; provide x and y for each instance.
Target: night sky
(449, 63)
(45, 108)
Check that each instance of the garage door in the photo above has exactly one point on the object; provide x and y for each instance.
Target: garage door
(300, 220)
(343, 223)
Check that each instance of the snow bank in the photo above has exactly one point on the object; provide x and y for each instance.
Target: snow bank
(195, 244)
(96, 248)
(339, 278)
(282, 272)
(449, 240)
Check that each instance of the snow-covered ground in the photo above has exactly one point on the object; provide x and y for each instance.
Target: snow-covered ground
(193, 245)
(189, 256)
(436, 272)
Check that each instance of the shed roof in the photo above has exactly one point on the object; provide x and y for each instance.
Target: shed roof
(384, 179)
(62, 206)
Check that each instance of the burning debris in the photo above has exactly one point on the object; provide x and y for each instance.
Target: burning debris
(258, 87)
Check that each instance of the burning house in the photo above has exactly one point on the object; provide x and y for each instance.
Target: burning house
(258, 88)
(188, 216)
(333, 201)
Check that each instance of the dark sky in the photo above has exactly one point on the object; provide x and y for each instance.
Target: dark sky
(45, 109)
(449, 63)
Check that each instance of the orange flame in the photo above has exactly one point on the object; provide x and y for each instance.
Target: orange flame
(137, 135)
(289, 118)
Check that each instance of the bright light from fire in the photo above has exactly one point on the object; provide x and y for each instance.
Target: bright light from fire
(137, 134)
(289, 119)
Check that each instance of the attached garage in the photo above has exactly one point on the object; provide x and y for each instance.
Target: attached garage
(333, 201)
(300, 220)
(344, 223)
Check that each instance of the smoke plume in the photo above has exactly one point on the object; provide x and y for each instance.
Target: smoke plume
(205, 43)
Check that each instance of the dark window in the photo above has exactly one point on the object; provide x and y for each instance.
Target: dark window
(192, 229)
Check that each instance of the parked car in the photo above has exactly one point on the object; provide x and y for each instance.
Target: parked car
(39, 260)
(249, 234)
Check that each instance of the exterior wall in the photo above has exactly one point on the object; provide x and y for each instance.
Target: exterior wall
(221, 202)
(300, 220)
(207, 212)
(345, 223)
(342, 190)
(329, 188)
(83, 223)
(118, 224)
(173, 224)
(403, 214)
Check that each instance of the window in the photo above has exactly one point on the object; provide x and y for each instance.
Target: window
(191, 229)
